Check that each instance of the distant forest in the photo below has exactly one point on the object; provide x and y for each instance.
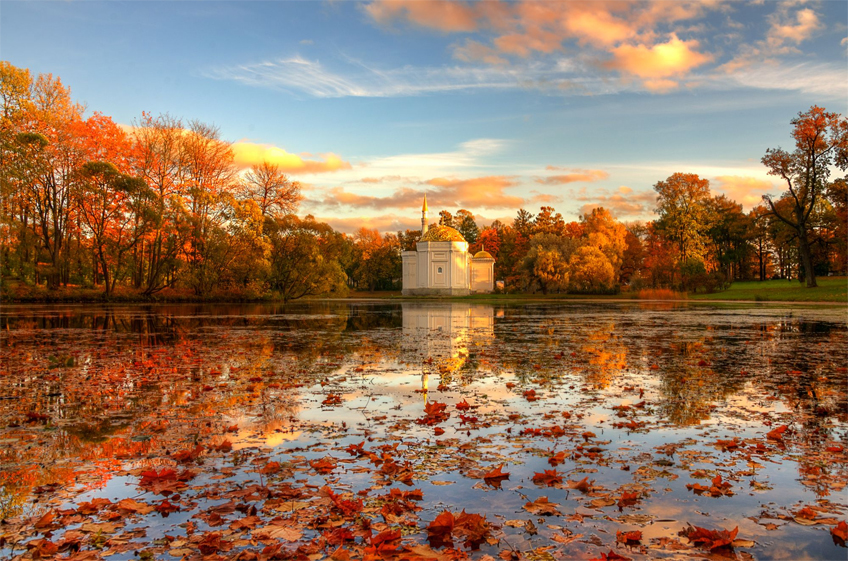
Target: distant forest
(162, 209)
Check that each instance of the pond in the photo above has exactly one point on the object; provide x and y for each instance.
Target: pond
(423, 430)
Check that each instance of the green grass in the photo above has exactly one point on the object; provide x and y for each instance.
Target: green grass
(829, 289)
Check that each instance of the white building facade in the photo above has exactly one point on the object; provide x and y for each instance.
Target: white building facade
(442, 266)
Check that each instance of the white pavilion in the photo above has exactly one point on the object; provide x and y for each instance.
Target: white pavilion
(442, 266)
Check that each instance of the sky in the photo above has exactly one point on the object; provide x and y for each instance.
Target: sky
(487, 105)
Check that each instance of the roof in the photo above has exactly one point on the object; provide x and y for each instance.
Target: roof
(442, 234)
(483, 255)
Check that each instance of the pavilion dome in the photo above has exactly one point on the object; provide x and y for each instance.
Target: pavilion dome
(442, 234)
(483, 255)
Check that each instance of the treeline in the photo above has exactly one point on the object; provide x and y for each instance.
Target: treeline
(162, 207)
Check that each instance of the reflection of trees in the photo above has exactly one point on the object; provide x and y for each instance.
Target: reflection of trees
(119, 382)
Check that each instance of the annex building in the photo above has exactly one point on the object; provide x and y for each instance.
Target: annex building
(442, 266)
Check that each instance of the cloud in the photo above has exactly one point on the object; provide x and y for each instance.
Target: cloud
(584, 175)
(249, 153)
(746, 190)
(442, 16)
(442, 193)
(784, 28)
(820, 79)
(383, 223)
(624, 203)
(662, 60)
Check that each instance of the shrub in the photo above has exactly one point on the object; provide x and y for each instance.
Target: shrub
(661, 294)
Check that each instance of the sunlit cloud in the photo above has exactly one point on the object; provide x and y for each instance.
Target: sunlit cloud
(442, 192)
(795, 28)
(247, 154)
(383, 223)
(746, 190)
(574, 175)
(663, 60)
(624, 203)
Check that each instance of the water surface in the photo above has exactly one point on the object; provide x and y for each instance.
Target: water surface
(639, 399)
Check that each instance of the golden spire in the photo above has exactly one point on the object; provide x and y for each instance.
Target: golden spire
(424, 208)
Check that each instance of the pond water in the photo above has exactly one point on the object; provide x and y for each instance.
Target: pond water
(345, 429)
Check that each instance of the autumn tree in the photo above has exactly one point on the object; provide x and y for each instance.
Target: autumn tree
(606, 233)
(109, 204)
(546, 264)
(548, 221)
(465, 224)
(682, 206)
(408, 239)
(208, 179)
(270, 189)
(377, 259)
(591, 271)
(49, 155)
(445, 218)
(159, 161)
(727, 233)
(633, 258)
(821, 141)
(759, 238)
(304, 257)
(837, 194)
(523, 223)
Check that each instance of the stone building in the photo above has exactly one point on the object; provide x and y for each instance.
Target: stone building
(442, 266)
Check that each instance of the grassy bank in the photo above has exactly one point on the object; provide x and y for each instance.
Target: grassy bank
(829, 289)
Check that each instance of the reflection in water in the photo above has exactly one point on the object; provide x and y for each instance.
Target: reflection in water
(90, 392)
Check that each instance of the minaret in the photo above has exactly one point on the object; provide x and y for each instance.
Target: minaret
(424, 225)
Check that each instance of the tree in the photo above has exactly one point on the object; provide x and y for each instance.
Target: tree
(109, 204)
(304, 257)
(208, 181)
(466, 226)
(159, 161)
(606, 233)
(837, 194)
(681, 204)
(377, 261)
(591, 271)
(548, 221)
(821, 141)
(760, 239)
(445, 218)
(523, 223)
(546, 264)
(50, 155)
(632, 261)
(408, 239)
(271, 189)
(728, 231)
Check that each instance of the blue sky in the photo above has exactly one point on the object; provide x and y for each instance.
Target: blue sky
(487, 106)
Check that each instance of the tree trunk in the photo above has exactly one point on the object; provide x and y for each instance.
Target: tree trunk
(806, 258)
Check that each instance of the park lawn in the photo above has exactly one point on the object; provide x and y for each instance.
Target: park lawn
(829, 289)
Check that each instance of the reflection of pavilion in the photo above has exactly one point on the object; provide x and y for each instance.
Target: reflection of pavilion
(444, 332)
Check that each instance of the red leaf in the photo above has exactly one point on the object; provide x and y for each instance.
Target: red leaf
(777, 434)
(549, 477)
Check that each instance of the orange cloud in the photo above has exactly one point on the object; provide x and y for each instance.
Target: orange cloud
(746, 190)
(585, 175)
(624, 203)
(472, 51)
(806, 23)
(383, 223)
(478, 192)
(249, 153)
(443, 16)
(663, 60)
